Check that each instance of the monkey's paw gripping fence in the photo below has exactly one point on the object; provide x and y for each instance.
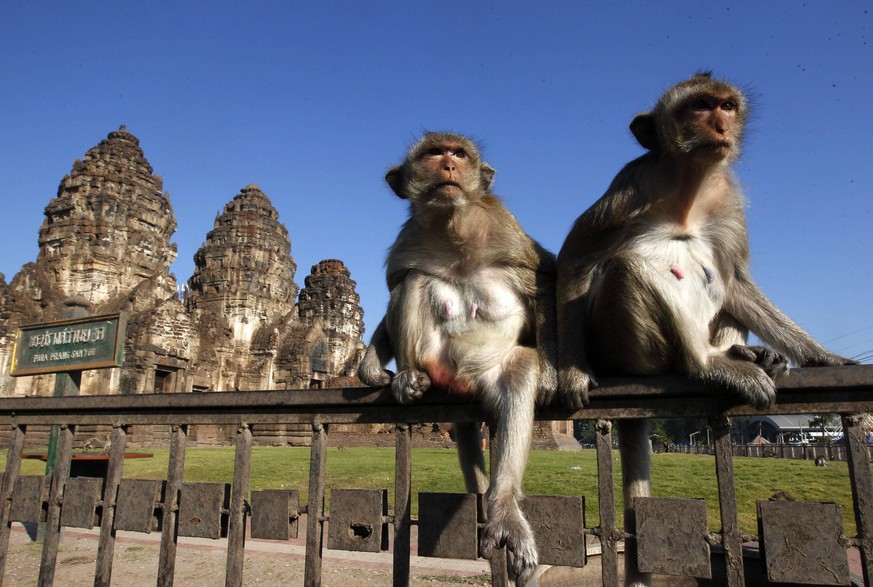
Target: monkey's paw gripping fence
(797, 542)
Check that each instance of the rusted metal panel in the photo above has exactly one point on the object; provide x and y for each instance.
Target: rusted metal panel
(671, 537)
(356, 519)
(558, 524)
(800, 543)
(203, 510)
(274, 514)
(81, 495)
(447, 525)
(402, 503)
(135, 507)
(31, 492)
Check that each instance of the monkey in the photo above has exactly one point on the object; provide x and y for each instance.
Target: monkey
(821, 461)
(472, 311)
(654, 277)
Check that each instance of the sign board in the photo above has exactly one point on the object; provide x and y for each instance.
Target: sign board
(93, 342)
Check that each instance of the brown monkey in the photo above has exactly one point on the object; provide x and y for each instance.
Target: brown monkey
(654, 277)
(471, 311)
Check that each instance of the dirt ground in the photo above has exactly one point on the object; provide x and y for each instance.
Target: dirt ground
(201, 563)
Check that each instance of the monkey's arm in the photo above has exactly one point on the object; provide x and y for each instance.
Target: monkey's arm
(593, 236)
(547, 338)
(574, 375)
(748, 304)
(372, 368)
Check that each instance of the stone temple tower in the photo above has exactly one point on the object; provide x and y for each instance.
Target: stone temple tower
(243, 283)
(329, 301)
(244, 271)
(110, 225)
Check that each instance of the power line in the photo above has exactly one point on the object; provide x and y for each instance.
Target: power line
(849, 334)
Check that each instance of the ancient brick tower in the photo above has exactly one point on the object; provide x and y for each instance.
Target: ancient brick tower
(110, 225)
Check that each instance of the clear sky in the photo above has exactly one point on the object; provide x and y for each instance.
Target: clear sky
(313, 101)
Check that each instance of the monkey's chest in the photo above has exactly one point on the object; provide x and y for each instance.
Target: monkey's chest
(685, 270)
(479, 302)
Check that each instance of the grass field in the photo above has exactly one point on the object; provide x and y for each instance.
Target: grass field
(549, 473)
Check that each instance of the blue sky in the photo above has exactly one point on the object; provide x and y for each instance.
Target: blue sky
(313, 101)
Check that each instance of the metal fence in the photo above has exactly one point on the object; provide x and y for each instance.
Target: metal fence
(671, 534)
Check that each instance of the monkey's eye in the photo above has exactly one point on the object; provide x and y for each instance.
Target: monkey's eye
(729, 105)
(460, 153)
(700, 104)
(434, 151)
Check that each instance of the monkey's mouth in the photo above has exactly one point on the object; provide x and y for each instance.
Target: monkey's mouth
(447, 184)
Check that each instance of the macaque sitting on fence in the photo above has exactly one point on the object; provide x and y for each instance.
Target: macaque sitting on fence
(472, 312)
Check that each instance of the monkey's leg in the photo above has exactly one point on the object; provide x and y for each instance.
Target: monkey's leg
(471, 457)
(636, 327)
(372, 368)
(509, 390)
(633, 443)
(411, 327)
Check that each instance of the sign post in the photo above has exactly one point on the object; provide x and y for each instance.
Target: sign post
(66, 348)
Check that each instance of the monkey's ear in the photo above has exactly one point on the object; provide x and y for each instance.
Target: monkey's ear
(643, 127)
(486, 173)
(394, 178)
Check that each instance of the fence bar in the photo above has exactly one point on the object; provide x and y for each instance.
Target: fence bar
(236, 535)
(13, 463)
(732, 539)
(315, 508)
(606, 501)
(53, 515)
(402, 504)
(499, 576)
(169, 537)
(106, 547)
(862, 489)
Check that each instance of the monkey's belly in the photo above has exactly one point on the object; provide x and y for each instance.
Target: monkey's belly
(474, 333)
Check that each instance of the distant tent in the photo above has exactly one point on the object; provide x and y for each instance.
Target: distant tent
(760, 440)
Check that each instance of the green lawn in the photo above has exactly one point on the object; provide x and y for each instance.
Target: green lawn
(549, 473)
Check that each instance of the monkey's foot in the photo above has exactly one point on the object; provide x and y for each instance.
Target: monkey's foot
(513, 531)
(767, 359)
(409, 385)
(377, 377)
(828, 360)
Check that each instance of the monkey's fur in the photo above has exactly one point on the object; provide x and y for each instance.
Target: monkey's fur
(471, 311)
(654, 277)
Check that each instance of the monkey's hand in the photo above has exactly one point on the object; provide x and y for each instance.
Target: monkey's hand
(409, 385)
(773, 363)
(827, 360)
(547, 385)
(510, 528)
(573, 386)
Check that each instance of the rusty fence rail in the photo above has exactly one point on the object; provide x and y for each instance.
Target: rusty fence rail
(447, 523)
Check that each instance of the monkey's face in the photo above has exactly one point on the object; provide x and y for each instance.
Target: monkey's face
(447, 172)
(709, 125)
